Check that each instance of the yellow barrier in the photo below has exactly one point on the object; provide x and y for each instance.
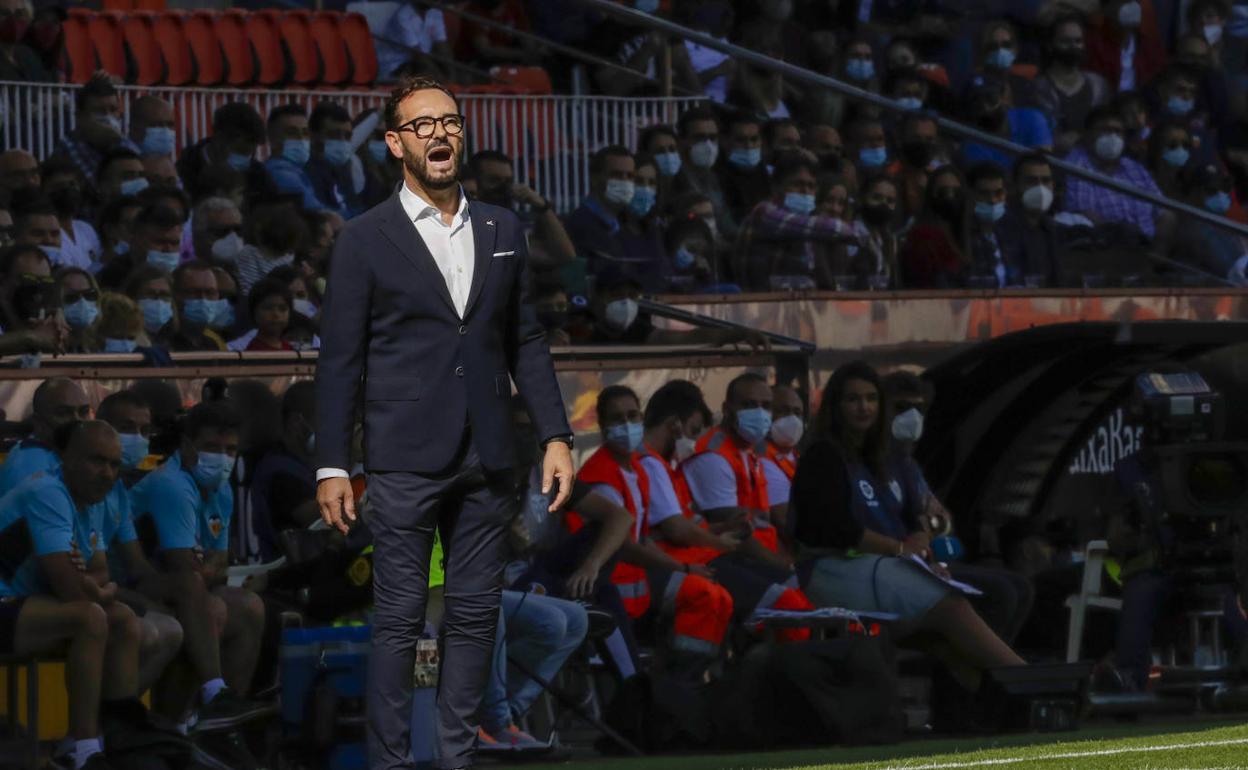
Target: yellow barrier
(53, 699)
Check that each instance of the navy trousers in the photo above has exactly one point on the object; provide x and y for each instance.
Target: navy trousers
(471, 508)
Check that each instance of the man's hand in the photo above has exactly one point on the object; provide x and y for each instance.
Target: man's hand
(47, 336)
(580, 584)
(731, 541)
(75, 557)
(916, 543)
(336, 502)
(557, 464)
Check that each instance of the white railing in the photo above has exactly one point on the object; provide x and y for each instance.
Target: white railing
(549, 138)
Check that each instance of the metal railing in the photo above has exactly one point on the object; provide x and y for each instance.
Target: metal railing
(549, 138)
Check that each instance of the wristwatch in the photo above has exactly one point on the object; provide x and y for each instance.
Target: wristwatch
(565, 439)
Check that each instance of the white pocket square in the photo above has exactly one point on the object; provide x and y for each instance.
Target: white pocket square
(504, 253)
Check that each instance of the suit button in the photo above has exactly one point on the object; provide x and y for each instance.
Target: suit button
(463, 330)
(459, 371)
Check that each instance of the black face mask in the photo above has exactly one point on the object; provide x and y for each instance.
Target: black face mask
(67, 200)
(950, 208)
(877, 215)
(917, 153)
(552, 319)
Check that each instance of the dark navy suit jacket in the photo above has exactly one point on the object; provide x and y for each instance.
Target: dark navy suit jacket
(390, 337)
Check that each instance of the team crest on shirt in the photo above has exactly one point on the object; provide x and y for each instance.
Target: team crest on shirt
(215, 525)
(895, 488)
(867, 490)
(94, 540)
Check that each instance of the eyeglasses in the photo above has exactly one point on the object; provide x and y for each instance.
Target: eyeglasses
(31, 278)
(90, 295)
(424, 128)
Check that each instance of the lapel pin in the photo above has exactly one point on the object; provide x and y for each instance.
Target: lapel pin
(489, 222)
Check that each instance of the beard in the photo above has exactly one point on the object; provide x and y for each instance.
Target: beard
(417, 163)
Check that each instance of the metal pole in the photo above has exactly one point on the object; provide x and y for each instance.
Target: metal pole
(698, 319)
(967, 132)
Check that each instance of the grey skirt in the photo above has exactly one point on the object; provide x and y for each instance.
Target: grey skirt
(874, 583)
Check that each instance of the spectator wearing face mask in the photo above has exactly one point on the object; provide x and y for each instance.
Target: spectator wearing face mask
(79, 246)
(991, 108)
(80, 306)
(198, 305)
(1101, 151)
(554, 309)
(97, 129)
(1210, 248)
(156, 242)
(776, 246)
(605, 230)
(278, 233)
(115, 226)
(152, 291)
(858, 65)
(57, 401)
(25, 299)
(742, 173)
(699, 147)
(237, 130)
(1170, 149)
(1125, 45)
(874, 264)
(1177, 99)
(1067, 90)
(1029, 218)
(121, 174)
(788, 423)
(217, 231)
(152, 126)
(659, 141)
(694, 262)
(376, 171)
(549, 243)
(909, 89)
(868, 145)
(936, 252)
(999, 57)
(121, 325)
(996, 253)
(1208, 19)
(329, 168)
(35, 223)
(920, 152)
(290, 149)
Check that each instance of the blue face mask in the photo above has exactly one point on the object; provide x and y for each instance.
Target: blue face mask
(133, 186)
(156, 313)
(873, 157)
(337, 151)
(238, 162)
(742, 158)
(625, 437)
(799, 203)
(378, 150)
(643, 200)
(159, 141)
(1218, 203)
(646, 6)
(1002, 58)
(989, 212)
(910, 103)
(860, 69)
(753, 425)
(167, 261)
(683, 258)
(668, 163)
(122, 247)
(212, 469)
(1180, 106)
(134, 447)
(53, 253)
(224, 319)
(199, 312)
(114, 345)
(81, 314)
(297, 151)
(1176, 156)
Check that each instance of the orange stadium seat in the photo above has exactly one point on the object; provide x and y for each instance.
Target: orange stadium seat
(332, 49)
(532, 80)
(79, 55)
(169, 30)
(199, 29)
(240, 59)
(109, 44)
(271, 62)
(297, 39)
(151, 5)
(147, 65)
(359, 43)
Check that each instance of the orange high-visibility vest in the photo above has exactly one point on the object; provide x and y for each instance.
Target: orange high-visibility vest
(785, 460)
(691, 554)
(630, 580)
(751, 481)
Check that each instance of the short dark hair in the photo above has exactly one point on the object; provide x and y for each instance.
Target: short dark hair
(10, 255)
(486, 156)
(598, 161)
(1097, 114)
(299, 398)
(141, 275)
(121, 398)
(406, 88)
(98, 86)
(743, 379)
(268, 287)
(209, 415)
(58, 164)
(790, 163)
(238, 120)
(327, 110)
(693, 114)
(285, 110)
(112, 211)
(30, 202)
(159, 217)
(195, 265)
(154, 195)
(1030, 159)
(744, 118)
(649, 132)
(677, 398)
(987, 170)
(216, 179)
(611, 392)
(113, 156)
(903, 383)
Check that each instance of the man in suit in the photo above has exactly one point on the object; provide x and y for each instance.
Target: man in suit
(429, 318)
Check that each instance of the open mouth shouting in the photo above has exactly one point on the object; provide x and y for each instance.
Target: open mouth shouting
(440, 160)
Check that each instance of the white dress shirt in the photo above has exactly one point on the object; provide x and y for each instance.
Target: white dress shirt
(80, 248)
(454, 250)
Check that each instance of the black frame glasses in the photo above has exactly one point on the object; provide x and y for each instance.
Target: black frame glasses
(425, 127)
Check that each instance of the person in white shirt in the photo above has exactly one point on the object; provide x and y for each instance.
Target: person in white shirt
(407, 39)
(79, 246)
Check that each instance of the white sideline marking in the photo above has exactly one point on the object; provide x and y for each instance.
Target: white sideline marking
(1068, 755)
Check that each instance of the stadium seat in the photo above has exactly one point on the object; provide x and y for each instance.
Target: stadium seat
(151, 5)
(530, 80)
(240, 58)
(169, 30)
(1089, 597)
(78, 57)
(202, 44)
(330, 46)
(106, 37)
(272, 65)
(147, 65)
(354, 30)
(297, 40)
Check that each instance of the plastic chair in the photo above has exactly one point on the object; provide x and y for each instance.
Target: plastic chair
(78, 57)
(297, 39)
(354, 30)
(148, 64)
(240, 62)
(330, 46)
(169, 30)
(1089, 597)
(107, 39)
(532, 80)
(272, 66)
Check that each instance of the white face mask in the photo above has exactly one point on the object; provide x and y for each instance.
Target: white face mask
(1130, 14)
(787, 431)
(621, 314)
(703, 154)
(226, 249)
(908, 426)
(1109, 147)
(685, 447)
(1213, 33)
(1037, 198)
(620, 191)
